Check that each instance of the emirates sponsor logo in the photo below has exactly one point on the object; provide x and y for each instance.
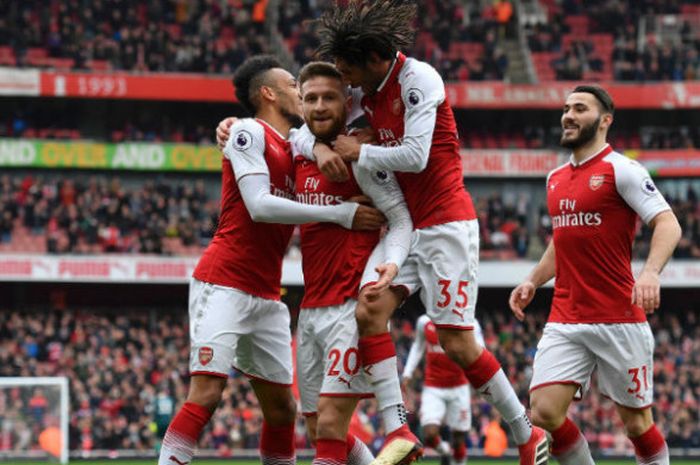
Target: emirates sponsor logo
(570, 217)
(205, 355)
(596, 181)
(318, 198)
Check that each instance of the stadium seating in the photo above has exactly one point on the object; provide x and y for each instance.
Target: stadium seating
(126, 370)
(601, 41)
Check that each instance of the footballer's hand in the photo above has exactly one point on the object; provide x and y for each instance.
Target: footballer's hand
(348, 147)
(387, 273)
(331, 165)
(362, 200)
(520, 298)
(367, 219)
(405, 384)
(364, 135)
(647, 291)
(223, 131)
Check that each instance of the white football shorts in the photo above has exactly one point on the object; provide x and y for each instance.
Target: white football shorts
(328, 362)
(231, 328)
(451, 405)
(442, 264)
(622, 353)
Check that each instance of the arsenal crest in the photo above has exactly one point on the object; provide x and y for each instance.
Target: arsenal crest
(596, 181)
(205, 355)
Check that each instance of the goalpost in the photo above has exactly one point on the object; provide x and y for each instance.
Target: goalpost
(34, 415)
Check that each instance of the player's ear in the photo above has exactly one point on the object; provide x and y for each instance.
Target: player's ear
(348, 103)
(608, 120)
(268, 93)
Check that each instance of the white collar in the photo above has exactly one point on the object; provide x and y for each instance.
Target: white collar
(262, 121)
(391, 69)
(572, 160)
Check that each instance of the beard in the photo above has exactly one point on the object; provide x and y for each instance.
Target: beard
(329, 134)
(586, 134)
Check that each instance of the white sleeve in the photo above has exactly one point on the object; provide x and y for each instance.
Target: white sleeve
(417, 348)
(385, 192)
(246, 148)
(302, 142)
(636, 187)
(267, 208)
(422, 91)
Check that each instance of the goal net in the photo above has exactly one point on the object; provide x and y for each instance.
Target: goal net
(34, 418)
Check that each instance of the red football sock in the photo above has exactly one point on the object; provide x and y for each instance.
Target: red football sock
(459, 453)
(330, 452)
(357, 451)
(432, 442)
(182, 434)
(649, 445)
(482, 370)
(277, 444)
(565, 437)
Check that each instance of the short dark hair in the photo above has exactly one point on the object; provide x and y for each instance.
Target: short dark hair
(250, 76)
(362, 27)
(601, 95)
(318, 68)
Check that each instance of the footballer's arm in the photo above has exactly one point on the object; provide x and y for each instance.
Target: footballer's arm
(253, 178)
(664, 239)
(383, 189)
(523, 294)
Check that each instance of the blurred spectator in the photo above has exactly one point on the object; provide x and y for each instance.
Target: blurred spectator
(126, 370)
(97, 215)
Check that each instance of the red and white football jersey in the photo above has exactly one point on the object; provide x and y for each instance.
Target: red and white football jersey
(440, 370)
(244, 254)
(594, 207)
(333, 258)
(408, 107)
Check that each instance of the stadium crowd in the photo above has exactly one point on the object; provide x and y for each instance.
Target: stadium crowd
(216, 36)
(96, 214)
(127, 372)
(620, 40)
(461, 40)
(101, 215)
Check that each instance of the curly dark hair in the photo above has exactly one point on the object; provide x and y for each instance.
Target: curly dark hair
(250, 76)
(353, 32)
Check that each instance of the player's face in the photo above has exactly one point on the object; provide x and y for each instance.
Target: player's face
(288, 96)
(358, 76)
(580, 120)
(324, 104)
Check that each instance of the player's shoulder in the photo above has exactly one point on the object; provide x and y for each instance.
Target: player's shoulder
(630, 175)
(247, 124)
(620, 162)
(418, 72)
(559, 169)
(245, 135)
(626, 170)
